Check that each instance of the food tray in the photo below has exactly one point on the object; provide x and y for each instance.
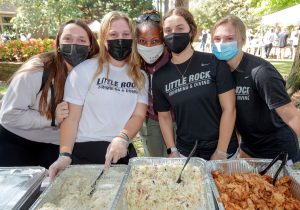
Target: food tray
(248, 165)
(19, 186)
(70, 190)
(120, 201)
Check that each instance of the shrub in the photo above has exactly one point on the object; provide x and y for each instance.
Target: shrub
(19, 51)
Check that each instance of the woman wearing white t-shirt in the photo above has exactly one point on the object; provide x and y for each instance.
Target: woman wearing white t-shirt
(107, 100)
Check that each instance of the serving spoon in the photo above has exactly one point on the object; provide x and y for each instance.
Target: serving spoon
(187, 160)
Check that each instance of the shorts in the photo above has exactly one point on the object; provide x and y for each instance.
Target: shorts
(284, 139)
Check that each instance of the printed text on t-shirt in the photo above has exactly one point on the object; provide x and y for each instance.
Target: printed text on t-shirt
(242, 93)
(185, 83)
(108, 84)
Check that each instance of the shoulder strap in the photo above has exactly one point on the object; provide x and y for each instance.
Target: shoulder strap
(45, 76)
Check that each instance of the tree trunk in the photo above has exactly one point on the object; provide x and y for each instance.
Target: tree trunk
(182, 3)
(293, 80)
(166, 6)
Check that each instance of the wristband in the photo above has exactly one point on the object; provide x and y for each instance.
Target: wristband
(65, 154)
(124, 136)
(222, 153)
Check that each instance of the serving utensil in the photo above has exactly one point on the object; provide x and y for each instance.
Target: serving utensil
(283, 156)
(93, 186)
(187, 160)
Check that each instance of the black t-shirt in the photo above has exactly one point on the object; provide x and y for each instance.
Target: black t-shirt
(260, 89)
(194, 98)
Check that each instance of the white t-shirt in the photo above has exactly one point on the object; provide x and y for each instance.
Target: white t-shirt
(107, 103)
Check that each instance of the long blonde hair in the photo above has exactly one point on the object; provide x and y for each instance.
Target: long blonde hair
(133, 59)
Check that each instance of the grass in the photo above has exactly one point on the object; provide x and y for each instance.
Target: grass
(283, 66)
(138, 145)
(3, 88)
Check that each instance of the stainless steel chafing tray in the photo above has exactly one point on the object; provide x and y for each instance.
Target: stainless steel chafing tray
(120, 201)
(70, 190)
(245, 166)
(19, 186)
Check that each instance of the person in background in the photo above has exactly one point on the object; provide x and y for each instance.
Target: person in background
(154, 55)
(266, 119)
(203, 40)
(29, 130)
(282, 40)
(208, 41)
(107, 98)
(295, 40)
(268, 40)
(200, 90)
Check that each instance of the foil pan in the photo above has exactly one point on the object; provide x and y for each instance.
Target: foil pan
(120, 201)
(245, 166)
(19, 186)
(70, 190)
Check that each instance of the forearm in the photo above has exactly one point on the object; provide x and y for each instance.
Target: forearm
(69, 128)
(226, 129)
(25, 119)
(135, 123)
(68, 131)
(291, 116)
(295, 125)
(166, 126)
(133, 126)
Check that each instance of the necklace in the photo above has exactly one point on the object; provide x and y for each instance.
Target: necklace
(187, 67)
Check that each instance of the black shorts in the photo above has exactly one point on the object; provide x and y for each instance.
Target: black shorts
(284, 139)
(18, 151)
(94, 153)
(205, 149)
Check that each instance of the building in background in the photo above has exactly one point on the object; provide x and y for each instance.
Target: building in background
(7, 12)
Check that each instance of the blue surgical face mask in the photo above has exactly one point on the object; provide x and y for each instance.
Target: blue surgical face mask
(225, 51)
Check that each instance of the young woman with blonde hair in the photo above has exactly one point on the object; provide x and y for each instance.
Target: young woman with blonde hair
(266, 119)
(107, 99)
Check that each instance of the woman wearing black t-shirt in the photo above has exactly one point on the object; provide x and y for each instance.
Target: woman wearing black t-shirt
(199, 88)
(266, 119)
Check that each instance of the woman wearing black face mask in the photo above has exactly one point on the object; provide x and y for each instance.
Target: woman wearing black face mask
(107, 100)
(200, 90)
(29, 130)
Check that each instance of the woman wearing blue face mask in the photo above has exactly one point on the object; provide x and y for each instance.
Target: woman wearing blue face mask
(266, 119)
(199, 88)
(154, 55)
(32, 110)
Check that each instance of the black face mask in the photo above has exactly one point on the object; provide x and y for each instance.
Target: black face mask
(119, 49)
(74, 54)
(177, 42)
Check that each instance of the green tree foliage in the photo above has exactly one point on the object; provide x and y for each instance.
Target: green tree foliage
(42, 18)
(264, 7)
(96, 9)
(209, 11)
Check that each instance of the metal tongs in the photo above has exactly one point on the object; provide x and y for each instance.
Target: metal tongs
(187, 160)
(93, 186)
(283, 156)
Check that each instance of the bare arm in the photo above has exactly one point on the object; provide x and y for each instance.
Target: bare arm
(135, 123)
(291, 116)
(166, 126)
(69, 128)
(227, 101)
